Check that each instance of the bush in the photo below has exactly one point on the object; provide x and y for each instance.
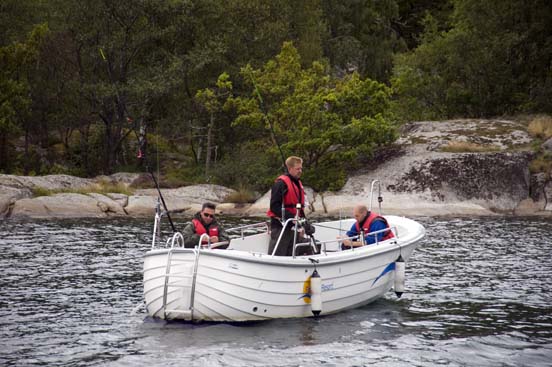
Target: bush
(242, 195)
(467, 147)
(542, 163)
(252, 166)
(541, 127)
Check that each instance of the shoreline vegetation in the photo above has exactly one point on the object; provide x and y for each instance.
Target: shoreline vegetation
(421, 175)
(447, 103)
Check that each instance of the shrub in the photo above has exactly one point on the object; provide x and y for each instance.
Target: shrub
(41, 191)
(99, 188)
(541, 127)
(467, 147)
(242, 195)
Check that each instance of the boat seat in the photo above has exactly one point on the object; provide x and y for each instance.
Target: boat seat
(255, 243)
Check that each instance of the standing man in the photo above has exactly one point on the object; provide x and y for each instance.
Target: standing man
(204, 222)
(287, 191)
(366, 222)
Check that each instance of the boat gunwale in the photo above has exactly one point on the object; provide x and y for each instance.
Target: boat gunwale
(341, 257)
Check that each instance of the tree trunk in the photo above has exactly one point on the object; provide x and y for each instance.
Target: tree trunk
(3, 152)
(27, 162)
(209, 144)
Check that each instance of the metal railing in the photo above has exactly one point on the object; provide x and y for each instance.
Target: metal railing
(380, 198)
(242, 229)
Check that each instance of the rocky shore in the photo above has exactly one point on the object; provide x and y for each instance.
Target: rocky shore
(424, 174)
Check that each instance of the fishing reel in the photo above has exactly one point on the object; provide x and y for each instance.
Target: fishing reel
(305, 224)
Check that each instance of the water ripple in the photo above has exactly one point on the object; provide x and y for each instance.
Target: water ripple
(478, 294)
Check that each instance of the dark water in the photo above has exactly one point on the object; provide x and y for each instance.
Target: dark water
(478, 294)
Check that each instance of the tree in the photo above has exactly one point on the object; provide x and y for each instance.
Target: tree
(362, 36)
(312, 114)
(16, 65)
(212, 101)
(495, 59)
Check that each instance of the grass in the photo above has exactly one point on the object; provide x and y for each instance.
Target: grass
(41, 191)
(540, 127)
(241, 196)
(542, 163)
(467, 147)
(99, 188)
(418, 140)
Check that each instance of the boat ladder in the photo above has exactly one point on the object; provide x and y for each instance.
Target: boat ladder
(173, 279)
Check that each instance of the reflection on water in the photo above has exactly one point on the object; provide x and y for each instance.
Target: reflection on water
(477, 295)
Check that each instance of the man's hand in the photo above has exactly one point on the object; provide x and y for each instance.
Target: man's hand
(214, 239)
(345, 242)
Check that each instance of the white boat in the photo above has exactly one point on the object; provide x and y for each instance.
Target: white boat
(245, 283)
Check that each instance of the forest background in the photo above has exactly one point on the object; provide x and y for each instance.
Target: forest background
(206, 90)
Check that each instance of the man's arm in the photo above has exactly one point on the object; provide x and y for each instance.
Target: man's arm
(376, 225)
(191, 239)
(223, 236)
(352, 232)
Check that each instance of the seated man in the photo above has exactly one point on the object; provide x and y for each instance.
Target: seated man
(204, 222)
(366, 222)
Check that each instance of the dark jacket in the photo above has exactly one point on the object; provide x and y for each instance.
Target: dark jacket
(279, 190)
(191, 238)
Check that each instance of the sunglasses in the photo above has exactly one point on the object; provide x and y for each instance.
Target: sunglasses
(207, 215)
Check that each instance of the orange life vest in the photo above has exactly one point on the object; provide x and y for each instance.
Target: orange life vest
(368, 222)
(200, 229)
(291, 198)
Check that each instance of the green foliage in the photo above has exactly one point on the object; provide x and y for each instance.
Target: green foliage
(252, 164)
(16, 62)
(184, 176)
(363, 36)
(74, 92)
(327, 121)
(491, 61)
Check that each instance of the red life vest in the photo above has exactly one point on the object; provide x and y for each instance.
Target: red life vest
(200, 229)
(368, 222)
(291, 198)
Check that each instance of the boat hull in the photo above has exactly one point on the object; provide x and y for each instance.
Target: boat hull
(234, 285)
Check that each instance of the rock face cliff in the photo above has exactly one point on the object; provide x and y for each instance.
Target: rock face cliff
(458, 167)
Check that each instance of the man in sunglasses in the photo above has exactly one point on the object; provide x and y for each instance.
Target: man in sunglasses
(204, 222)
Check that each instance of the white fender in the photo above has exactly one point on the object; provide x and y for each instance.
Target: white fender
(316, 293)
(400, 270)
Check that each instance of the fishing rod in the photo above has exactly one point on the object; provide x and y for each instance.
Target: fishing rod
(141, 140)
(265, 114)
(142, 156)
(273, 133)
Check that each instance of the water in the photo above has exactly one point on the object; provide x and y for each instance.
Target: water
(478, 294)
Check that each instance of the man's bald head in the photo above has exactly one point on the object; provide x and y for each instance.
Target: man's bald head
(360, 212)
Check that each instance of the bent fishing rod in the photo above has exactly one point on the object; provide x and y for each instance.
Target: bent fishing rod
(273, 133)
(142, 156)
(141, 141)
(265, 114)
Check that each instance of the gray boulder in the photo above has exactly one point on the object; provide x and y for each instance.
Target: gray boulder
(108, 205)
(548, 196)
(547, 145)
(55, 182)
(58, 206)
(9, 195)
(125, 178)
